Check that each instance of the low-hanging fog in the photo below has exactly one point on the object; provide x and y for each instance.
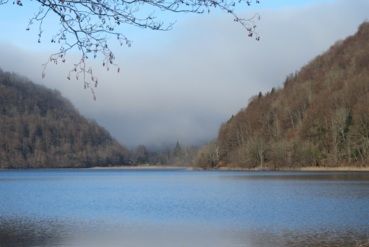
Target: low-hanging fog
(181, 85)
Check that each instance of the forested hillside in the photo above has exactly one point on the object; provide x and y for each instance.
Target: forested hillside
(40, 128)
(319, 118)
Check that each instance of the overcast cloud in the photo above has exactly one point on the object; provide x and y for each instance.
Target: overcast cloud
(183, 84)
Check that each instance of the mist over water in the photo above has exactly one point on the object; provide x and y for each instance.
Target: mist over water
(77, 207)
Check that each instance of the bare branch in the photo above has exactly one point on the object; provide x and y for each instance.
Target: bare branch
(85, 26)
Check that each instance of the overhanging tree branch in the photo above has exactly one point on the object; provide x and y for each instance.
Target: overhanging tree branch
(87, 25)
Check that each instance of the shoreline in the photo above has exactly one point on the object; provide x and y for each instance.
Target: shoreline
(334, 169)
(127, 167)
(139, 167)
(298, 169)
(194, 168)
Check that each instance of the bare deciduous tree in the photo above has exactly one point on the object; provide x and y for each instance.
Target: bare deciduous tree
(87, 25)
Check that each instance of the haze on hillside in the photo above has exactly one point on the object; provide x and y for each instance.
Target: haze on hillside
(181, 85)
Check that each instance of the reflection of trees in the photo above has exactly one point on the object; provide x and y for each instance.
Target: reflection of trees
(24, 232)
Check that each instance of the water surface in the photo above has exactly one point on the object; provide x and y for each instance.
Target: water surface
(82, 207)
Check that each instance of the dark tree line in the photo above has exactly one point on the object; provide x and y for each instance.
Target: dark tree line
(319, 118)
(40, 128)
(180, 155)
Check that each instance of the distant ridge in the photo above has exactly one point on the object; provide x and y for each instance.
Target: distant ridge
(40, 128)
(319, 118)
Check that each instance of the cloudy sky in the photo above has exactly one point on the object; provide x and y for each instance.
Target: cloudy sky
(181, 85)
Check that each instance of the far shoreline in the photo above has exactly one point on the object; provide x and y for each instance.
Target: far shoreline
(139, 167)
(195, 168)
(235, 168)
(298, 169)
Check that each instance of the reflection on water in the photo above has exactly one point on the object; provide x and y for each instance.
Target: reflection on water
(310, 239)
(81, 208)
(21, 232)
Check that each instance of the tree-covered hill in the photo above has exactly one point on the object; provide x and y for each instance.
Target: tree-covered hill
(40, 128)
(319, 118)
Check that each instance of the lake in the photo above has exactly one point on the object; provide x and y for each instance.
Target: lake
(178, 207)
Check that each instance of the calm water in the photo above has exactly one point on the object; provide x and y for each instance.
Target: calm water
(183, 208)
